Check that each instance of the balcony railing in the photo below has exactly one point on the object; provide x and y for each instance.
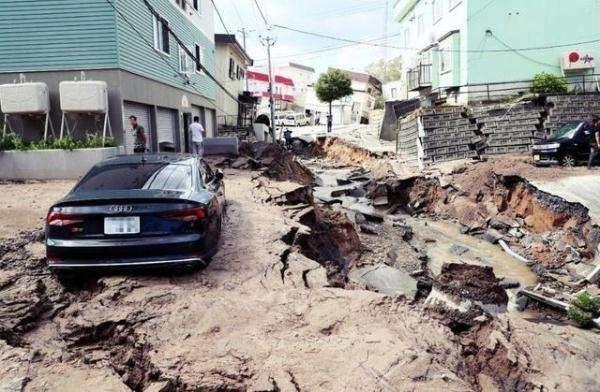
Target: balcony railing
(419, 77)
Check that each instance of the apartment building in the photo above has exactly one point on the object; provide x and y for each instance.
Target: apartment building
(464, 48)
(232, 64)
(127, 44)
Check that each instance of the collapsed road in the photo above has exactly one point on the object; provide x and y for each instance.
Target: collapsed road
(333, 275)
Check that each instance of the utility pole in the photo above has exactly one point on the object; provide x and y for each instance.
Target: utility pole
(245, 32)
(268, 42)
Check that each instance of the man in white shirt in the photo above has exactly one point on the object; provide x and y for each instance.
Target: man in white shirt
(196, 131)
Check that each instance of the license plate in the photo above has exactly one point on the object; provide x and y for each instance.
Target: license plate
(536, 158)
(122, 225)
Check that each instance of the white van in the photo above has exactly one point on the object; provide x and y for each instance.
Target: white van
(295, 120)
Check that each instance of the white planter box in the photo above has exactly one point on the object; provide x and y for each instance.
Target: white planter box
(24, 98)
(84, 96)
(51, 164)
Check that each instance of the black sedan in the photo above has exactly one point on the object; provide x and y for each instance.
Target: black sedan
(138, 211)
(571, 144)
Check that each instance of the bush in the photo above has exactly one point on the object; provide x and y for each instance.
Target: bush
(11, 141)
(547, 83)
(584, 308)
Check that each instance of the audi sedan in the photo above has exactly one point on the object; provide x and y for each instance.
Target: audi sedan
(138, 211)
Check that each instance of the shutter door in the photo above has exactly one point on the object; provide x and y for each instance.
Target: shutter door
(166, 124)
(142, 112)
(210, 124)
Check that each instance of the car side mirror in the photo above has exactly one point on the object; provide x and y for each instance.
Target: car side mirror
(219, 175)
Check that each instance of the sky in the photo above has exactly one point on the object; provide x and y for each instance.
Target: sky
(361, 20)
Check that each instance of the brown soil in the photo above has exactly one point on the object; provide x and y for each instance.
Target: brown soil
(261, 317)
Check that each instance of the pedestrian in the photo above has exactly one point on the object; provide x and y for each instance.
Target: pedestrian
(141, 141)
(196, 130)
(594, 141)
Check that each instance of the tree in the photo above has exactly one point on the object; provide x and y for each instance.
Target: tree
(386, 71)
(333, 84)
(547, 83)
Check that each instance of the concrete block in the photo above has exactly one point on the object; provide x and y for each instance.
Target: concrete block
(51, 164)
(221, 146)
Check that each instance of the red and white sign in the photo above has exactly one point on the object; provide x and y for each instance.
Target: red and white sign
(283, 88)
(575, 60)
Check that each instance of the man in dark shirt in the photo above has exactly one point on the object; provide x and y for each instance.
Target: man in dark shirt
(594, 140)
(139, 133)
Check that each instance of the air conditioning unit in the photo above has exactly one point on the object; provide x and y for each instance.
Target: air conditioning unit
(21, 98)
(85, 96)
(578, 60)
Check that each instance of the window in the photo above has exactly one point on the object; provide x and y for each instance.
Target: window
(161, 34)
(406, 38)
(438, 10)
(181, 3)
(163, 176)
(186, 63)
(394, 92)
(421, 25)
(196, 5)
(231, 69)
(199, 58)
(445, 56)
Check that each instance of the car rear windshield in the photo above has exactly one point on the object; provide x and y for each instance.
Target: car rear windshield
(161, 176)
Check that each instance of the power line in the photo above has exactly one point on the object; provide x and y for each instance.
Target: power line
(515, 51)
(479, 11)
(435, 49)
(261, 13)
(330, 48)
(220, 17)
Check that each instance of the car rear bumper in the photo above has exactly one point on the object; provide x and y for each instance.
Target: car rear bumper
(58, 264)
(126, 253)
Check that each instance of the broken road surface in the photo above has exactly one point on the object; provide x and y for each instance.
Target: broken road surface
(249, 322)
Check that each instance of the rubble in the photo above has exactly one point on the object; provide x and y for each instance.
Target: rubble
(386, 280)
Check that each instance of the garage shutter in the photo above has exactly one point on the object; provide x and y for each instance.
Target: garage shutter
(210, 124)
(142, 112)
(167, 126)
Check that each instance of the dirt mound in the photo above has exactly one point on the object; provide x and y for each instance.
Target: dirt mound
(477, 283)
(344, 152)
(332, 241)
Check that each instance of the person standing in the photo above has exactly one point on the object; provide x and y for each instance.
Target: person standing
(196, 130)
(594, 141)
(141, 141)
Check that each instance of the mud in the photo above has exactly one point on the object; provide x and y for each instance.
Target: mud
(275, 310)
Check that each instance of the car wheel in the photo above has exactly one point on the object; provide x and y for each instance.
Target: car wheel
(568, 161)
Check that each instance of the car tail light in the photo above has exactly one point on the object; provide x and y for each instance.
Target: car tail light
(61, 219)
(189, 215)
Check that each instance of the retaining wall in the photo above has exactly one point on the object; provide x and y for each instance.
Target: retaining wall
(51, 164)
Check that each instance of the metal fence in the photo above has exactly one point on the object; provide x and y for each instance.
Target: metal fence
(579, 84)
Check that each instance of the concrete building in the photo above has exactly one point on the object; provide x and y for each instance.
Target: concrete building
(462, 48)
(394, 91)
(304, 80)
(148, 74)
(232, 64)
(284, 92)
(356, 108)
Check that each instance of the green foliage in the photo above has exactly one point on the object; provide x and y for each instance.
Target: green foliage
(11, 141)
(333, 84)
(379, 102)
(386, 71)
(584, 308)
(547, 83)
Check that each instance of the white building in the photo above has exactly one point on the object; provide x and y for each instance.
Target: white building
(304, 79)
(231, 66)
(427, 26)
(356, 108)
(394, 91)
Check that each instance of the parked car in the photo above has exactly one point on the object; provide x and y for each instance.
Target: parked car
(567, 147)
(138, 211)
(279, 119)
(295, 120)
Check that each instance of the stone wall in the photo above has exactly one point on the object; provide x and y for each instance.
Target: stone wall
(448, 133)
